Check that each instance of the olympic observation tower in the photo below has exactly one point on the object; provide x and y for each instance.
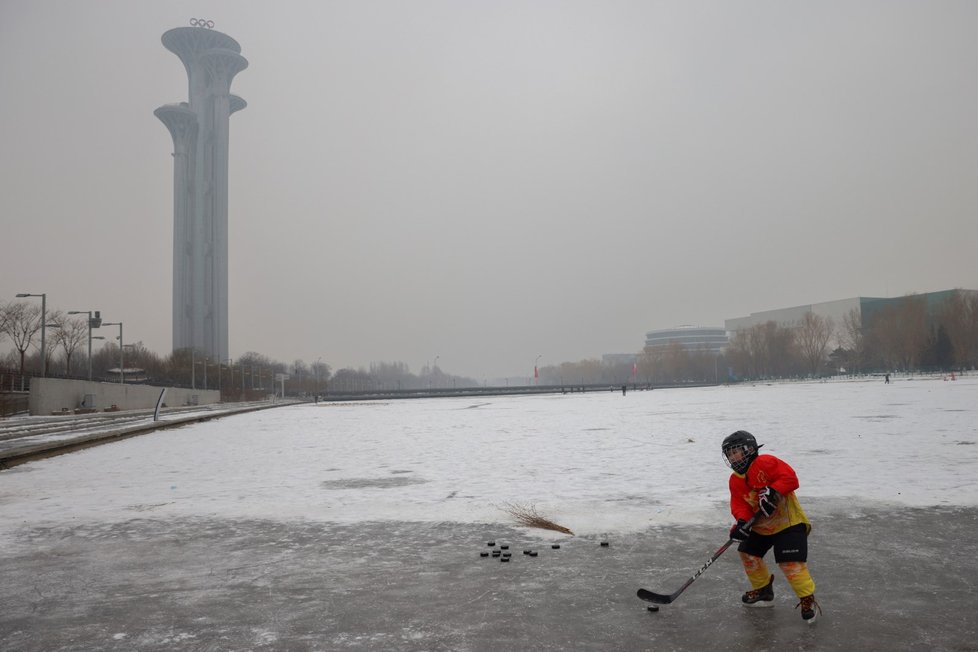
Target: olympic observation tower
(200, 185)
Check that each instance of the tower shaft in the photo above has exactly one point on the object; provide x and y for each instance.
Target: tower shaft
(200, 131)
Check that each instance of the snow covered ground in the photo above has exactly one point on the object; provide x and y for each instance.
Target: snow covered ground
(596, 463)
(359, 526)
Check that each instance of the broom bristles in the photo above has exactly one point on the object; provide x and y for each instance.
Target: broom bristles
(529, 516)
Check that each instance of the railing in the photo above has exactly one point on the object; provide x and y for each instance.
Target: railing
(12, 381)
(12, 403)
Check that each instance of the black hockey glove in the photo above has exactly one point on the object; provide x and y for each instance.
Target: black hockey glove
(767, 500)
(740, 531)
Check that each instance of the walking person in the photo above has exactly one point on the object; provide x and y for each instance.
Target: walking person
(764, 485)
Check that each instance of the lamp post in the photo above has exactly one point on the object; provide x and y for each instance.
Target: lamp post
(193, 370)
(44, 317)
(435, 367)
(92, 323)
(536, 374)
(122, 356)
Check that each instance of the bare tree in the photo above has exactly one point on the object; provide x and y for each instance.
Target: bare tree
(959, 317)
(3, 318)
(813, 336)
(22, 323)
(69, 334)
(853, 339)
(900, 331)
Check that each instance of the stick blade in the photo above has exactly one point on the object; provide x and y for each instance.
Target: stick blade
(657, 598)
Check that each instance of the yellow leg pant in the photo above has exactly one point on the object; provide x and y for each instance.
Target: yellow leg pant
(796, 572)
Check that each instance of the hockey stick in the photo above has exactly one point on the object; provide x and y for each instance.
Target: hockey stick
(659, 598)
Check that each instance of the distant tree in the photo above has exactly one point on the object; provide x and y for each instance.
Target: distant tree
(139, 357)
(765, 350)
(959, 316)
(178, 366)
(813, 335)
(900, 331)
(646, 364)
(21, 324)
(939, 352)
(69, 335)
(853, 340)
(260, 370)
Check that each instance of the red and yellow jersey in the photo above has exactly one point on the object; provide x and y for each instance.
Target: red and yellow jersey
(767, 471)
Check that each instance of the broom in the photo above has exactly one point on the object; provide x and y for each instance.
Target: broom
(529, 516)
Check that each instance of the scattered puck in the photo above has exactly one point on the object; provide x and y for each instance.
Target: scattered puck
(604, 544)
(495, 553)
(653, 607)
(507, 554)
(504, 559)
(556, 546)
(491, 544)
(483, 554)
(526, 552)
(504, 547)
(533, 554)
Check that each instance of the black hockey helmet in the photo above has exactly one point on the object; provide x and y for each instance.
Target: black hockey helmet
(745, 443)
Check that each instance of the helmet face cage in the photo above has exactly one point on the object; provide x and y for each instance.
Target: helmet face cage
(744, 442)
(741, 465)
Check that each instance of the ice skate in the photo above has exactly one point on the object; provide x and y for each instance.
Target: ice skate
(809, 608)
(762, 597)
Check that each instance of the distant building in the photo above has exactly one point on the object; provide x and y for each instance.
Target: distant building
(707, 339)
(866, 308)
(792, 317)
(616, 359)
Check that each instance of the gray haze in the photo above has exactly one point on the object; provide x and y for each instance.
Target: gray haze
(492, 181)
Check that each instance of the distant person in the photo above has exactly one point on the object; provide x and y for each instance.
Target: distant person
(887, 381)
(624, 388)
(764, 485)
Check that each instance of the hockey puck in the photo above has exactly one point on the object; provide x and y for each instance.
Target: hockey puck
(504, 547)
(483, 554)
(653, 607)
(507, 554)
(491, 544)
(533, 554)
(556, 546)
(605, 544)
(495, 553)
(504, 559)
(526, 552)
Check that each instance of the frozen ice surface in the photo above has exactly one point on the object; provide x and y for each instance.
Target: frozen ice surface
(595, 463)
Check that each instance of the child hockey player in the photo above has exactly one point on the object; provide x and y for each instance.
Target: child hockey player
(765, 485)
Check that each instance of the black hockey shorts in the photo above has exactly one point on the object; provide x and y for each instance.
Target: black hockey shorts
(790, 544)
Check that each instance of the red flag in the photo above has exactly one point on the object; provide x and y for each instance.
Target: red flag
(535, 372)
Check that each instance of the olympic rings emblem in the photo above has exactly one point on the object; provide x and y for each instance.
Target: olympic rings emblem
(200, 22)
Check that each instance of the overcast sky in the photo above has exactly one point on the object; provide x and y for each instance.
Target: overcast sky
(492, 181)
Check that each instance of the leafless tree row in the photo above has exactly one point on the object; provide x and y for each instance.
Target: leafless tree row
(901, 336)
(904, 335)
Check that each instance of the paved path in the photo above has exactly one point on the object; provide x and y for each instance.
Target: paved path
(23, 439)
(888, 579)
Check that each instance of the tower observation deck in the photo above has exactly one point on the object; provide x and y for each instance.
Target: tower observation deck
(200, 131)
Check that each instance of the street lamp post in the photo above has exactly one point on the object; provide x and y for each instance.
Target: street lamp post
(122, 355)
(92, 323)
(44, 317)
(536, 374)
